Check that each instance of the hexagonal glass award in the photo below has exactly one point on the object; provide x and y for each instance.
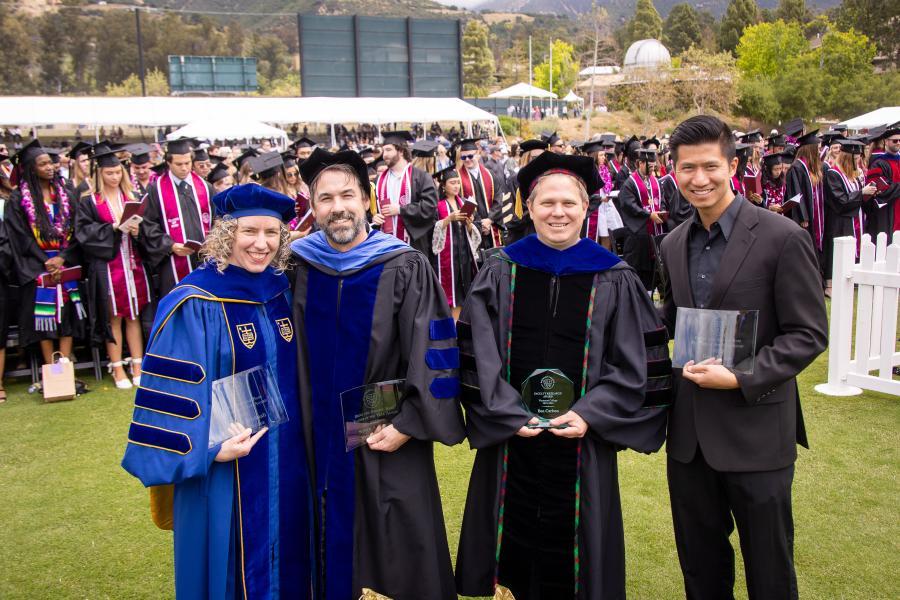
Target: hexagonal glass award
(547, 394)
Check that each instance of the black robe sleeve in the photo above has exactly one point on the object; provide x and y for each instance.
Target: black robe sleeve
(630, 208)
(629, 366)
(157, 243)
(430, 409)
(28, 259)
(420, 214)
(494, 409)
(837, 199)
(97, 238)
(796, 183)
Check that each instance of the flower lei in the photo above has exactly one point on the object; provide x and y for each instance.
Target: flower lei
(60, 224)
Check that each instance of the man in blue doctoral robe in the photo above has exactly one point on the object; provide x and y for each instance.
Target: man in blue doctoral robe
(242, 526)
(368, 308)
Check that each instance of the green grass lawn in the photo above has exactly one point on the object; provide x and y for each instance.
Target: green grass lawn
(73, 524)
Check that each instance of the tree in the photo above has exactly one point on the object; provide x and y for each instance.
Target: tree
(17, 54)
(764, 48)
(478, 60)
(757, 99)
(738, 15)
(565, 69)
(877, 19)
(793, 11)
(116, 48)
(707, 80)
(646, 23)
(54, 49)
(271, 56)
(155, 80)
(681, 29)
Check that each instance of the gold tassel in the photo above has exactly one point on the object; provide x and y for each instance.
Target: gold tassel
(162, 506)
(502, 593)
(517, 209)
(373, 202)
(368, 594)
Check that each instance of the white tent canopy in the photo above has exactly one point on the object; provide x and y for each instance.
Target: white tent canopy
(522, 90)
(178, 110)
(230, 129)
(572, 97)
(886, 115)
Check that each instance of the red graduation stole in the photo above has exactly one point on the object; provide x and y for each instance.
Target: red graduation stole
(651, 199)
(394, 225)
(487, 187)
(172, 217)
(858, 218)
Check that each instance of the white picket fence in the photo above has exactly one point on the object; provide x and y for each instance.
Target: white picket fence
(877, 279)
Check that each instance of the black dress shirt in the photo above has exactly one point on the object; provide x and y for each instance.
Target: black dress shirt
(705, 250)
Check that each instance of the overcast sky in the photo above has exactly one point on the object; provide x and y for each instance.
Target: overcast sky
(463, 3)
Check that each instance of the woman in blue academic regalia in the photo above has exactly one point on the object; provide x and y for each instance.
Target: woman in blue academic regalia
(240, 508)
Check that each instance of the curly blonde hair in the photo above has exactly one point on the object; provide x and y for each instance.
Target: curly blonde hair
(220, 242)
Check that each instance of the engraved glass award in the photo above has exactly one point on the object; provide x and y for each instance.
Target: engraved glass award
(249, 399)
(366, 408)
(547, 394)
(725, 337)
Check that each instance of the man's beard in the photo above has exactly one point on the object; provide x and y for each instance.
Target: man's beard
(393, 160)
(345, 234)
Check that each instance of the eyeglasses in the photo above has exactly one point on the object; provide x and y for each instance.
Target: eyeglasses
(894, 140)
(466, 156)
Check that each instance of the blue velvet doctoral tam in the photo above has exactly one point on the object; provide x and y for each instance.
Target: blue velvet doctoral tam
(242, 528)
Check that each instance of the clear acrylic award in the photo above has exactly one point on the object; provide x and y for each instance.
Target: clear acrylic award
(547, 394)
(726, 337)
(367, 407)
(249, 399)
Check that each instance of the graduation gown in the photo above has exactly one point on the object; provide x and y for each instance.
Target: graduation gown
(680, 210)
(376, 313)
(487, 190)
(811, 207)
(5, 278)
(517, 227)
(884, 218)
(28, 263)
(621, 176)
(193, 219)
(558, 498)
(844, 203)
(242, 528)
(455, 245)
(638, 248)
(101, 243)
(419, 215)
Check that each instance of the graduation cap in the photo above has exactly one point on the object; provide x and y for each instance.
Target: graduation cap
(839, 127)
(266, 165)
(160, 169)
(181, 146)
(105, 157)
(550, 138)
(200, 154)
(794, 127)
(884, 131)
(140, 153)
(810, 138)
(778, 158)
(651, 141)
(851, 146)
(631, 147)
(303, 142)
(529, 145)
(580, 167)
(366, 152)
(397, 138)
(578, 145)
(254, 200)
(79, 149)
(647, 155)
(468, 144)
(831, 137)
(776, 139)
(54, 154)
(28, 153)
(220, 171)
(244, 156)
(424, 148)
(742, 150)
(608, 137)
(592, 146)
(289, 159)
(751, 137)
(446, 174)
(320, 160)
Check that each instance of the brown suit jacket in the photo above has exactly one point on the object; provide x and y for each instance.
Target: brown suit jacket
(769, 265)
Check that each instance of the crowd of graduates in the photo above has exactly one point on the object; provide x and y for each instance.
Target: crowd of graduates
(453, 199)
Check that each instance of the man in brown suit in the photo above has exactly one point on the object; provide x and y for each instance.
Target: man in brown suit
(732, 438)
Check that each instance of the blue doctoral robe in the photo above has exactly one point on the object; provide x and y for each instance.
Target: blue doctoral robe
(242, 528)
(376, 313)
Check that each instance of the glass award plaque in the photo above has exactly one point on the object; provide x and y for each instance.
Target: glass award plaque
(249, 399)
(547, 394)
(366, 408)
(726, 337)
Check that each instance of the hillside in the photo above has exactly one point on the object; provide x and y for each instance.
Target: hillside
(620, 8)
(392, 8)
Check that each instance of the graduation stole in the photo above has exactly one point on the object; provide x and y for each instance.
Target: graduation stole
(394, 225)
(818, 208)
(172, 217)
(49, 301)
(737, 185)
(125, 270)
(616, 167)
(606, 177)
(301, 205)
(651, 199)
(858, 219)
(487, 188)
(446, 274)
